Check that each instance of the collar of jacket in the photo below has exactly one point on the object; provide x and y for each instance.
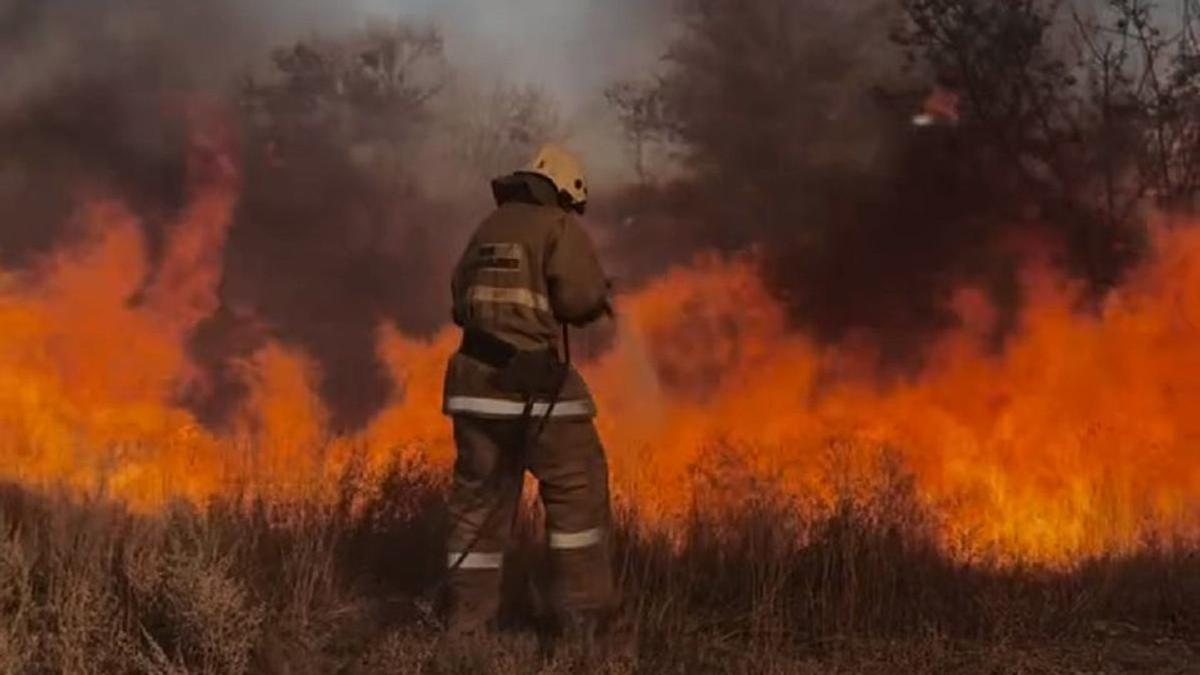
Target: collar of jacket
(525, 188)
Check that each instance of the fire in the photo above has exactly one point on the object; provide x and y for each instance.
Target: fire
(93, 357)
(1078, 438)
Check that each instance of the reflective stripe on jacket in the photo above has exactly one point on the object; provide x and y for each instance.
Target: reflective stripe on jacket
(502, 408)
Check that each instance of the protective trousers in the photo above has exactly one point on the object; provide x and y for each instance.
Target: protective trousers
(568, 461)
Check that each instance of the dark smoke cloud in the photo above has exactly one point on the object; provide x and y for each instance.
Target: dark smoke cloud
(161, 42)
(94, 104)
(323, 249)
(863, 224)
(92, 99)
(793, 119)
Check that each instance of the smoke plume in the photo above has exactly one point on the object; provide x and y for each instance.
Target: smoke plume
(782, 139)
(343, 224)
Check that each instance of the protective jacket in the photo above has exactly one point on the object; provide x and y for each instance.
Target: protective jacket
(529, 268)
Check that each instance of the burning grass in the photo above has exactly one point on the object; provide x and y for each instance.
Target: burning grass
(246, 586)
(1075, 438)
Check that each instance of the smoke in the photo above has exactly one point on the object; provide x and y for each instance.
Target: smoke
(338, 230)
(794, 121)
(95, 104)
(93, 96)
(89, 86)
(570, 49)
(167, 42)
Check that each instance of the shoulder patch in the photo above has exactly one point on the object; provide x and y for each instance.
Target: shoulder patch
(500, 257)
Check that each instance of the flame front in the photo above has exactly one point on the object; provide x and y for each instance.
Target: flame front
(1079, 438)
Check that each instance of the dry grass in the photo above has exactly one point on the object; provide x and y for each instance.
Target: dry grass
(246, 587)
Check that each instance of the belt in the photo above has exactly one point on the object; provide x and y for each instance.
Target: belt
(531, 373)
(495, 352)
(488, 348)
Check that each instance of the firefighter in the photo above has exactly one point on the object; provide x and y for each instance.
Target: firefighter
(517, 404)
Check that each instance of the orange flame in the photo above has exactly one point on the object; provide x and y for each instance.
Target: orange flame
(1078, 439)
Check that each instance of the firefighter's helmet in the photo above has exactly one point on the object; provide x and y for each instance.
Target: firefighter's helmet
(560, 167)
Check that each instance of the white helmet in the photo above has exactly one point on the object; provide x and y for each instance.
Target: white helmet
(560, 167)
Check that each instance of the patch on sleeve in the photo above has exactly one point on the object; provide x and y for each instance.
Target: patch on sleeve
(500, 257)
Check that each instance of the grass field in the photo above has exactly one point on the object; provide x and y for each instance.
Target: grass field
(246, 587)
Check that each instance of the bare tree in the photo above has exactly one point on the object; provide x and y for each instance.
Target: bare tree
(1091, 107)
(369, 94)
(639, 108)
(496, 131)
(1161, 85)
(1017, 90)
